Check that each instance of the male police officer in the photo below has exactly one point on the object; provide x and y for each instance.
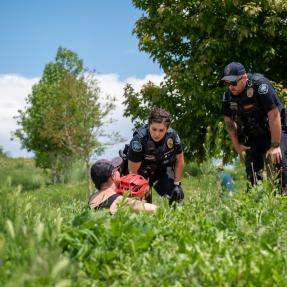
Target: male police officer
(156, 153)
(252, 115)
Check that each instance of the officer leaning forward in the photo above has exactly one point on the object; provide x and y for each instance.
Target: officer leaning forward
(156, 153)
(255, 120)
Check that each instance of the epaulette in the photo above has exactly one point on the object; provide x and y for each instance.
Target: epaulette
(141, 132)
(171, 131)
(256, 78)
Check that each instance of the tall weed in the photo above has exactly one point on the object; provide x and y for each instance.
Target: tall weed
(48, 237)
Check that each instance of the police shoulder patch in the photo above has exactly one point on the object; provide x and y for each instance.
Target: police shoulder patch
(136, 146)
(263, 89)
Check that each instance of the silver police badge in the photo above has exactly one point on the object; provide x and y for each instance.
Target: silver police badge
(250, 92)
(169, 143)
(263, 89)
(136, 146)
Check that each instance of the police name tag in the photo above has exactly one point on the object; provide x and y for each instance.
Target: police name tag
(250, 92)
(136, 146)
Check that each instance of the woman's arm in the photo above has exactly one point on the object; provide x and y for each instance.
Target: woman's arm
(133, 166)
(135, 204)
(179, 167)
(138, 205)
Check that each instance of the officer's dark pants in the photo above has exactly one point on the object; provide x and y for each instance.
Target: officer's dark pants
(256, 156)
(164, 180)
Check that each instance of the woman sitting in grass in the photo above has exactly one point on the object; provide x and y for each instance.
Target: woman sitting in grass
(105, 175)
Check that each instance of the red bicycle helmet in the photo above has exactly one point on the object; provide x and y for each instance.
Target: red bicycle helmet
(135, 185)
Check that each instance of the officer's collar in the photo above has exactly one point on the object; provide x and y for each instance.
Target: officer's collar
(159, 143)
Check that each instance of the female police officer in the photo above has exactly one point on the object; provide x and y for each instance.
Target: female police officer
(156, 153)
(255, 121)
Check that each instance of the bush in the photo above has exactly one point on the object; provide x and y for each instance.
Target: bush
(192, 169)
(21, 172)
(78, 172)
(26, 179)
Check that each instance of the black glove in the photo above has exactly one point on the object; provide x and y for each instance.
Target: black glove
(177, 194)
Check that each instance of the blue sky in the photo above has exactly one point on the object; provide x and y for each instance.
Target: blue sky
(100, 32)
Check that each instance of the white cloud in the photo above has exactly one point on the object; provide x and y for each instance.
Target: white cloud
(138, 83)
(14, 89)
(110, 84)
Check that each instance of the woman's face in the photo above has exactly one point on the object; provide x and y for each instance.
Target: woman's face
(157, 131)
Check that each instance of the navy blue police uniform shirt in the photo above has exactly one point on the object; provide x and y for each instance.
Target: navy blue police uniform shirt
(170, 144)
(263, 95)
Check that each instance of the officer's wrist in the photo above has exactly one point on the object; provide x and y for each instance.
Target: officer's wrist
(177, 183)
(275, 144)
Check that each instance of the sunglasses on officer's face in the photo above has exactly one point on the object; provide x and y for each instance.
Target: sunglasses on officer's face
(233, 83)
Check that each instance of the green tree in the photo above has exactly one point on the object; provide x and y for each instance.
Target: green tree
(64, 117)
(82, 118)
(48, 154)
(193, 40)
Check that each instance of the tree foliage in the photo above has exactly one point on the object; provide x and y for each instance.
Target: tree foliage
(81, 117)
(192, 41)
(64, 118)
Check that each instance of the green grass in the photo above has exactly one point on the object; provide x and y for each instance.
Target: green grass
(48, 237)
(21, 171)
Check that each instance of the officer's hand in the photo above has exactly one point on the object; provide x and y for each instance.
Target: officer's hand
(177, 194)
(241, 149)
(275, 154)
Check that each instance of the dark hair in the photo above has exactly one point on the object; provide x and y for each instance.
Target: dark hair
(159, 115)
(100, 172)
(102, 169)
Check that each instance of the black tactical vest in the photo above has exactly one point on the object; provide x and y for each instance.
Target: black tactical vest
(247, 111)
(157, 156)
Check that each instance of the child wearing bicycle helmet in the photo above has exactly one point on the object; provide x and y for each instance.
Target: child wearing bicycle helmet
(106, 177)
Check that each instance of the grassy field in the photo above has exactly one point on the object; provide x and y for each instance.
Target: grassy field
(48, 237)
